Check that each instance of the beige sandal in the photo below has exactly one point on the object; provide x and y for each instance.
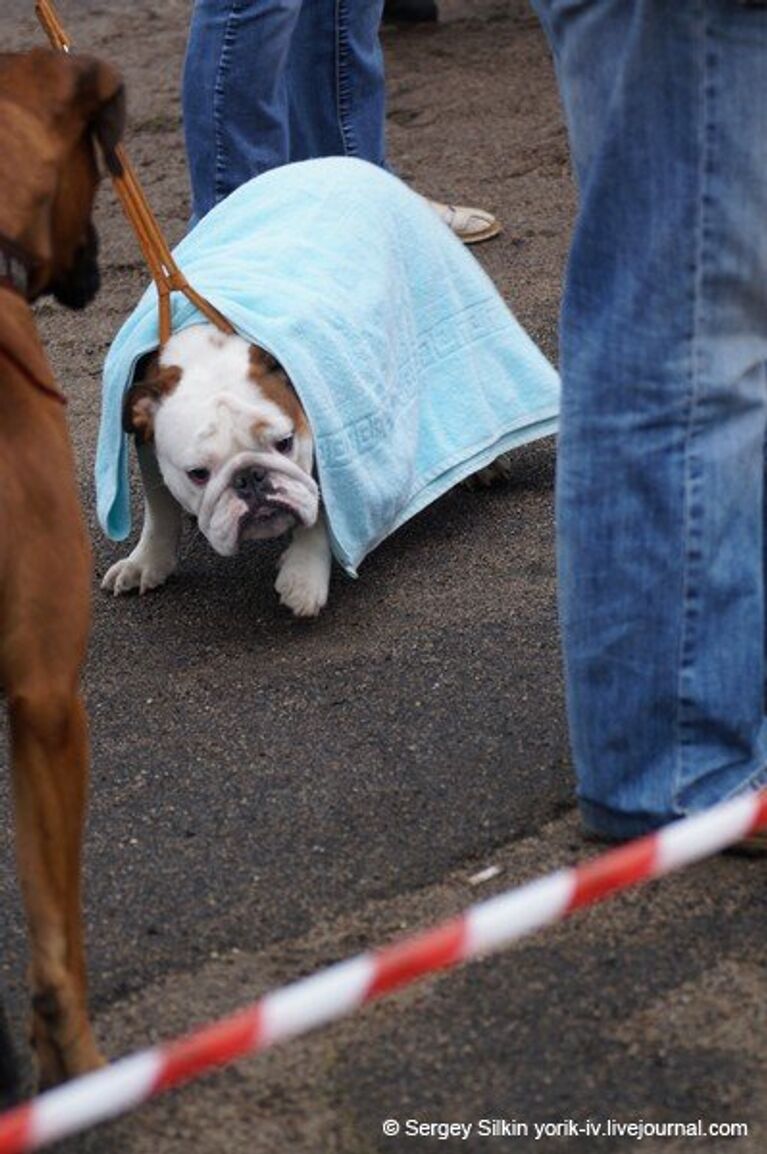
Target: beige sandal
(471, 225)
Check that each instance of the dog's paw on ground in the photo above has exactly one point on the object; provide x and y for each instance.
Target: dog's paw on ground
(302, 586)
(138, 571)
(498, 470)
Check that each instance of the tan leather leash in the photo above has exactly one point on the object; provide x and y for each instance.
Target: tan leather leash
(165, 272)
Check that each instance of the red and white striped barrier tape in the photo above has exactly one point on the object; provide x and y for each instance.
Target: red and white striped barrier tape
(344, 987)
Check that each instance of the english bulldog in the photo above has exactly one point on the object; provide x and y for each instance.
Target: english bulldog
(221, 434)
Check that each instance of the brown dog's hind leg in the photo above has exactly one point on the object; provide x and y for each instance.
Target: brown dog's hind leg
(50, 769)
(9, 1078)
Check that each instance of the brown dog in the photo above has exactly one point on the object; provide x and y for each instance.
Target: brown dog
(51, 107)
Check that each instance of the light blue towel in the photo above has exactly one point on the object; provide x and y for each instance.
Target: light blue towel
(412, 371)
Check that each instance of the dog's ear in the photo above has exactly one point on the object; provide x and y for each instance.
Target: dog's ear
(274, 384)
(262, 362)
(141, 404)
(100, 95)
(145, 396)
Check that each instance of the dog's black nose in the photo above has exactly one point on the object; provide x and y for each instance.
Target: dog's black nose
(252, 482)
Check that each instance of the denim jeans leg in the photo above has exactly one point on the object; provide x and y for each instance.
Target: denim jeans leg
(660, 487)
(234, 93)
(336, 81)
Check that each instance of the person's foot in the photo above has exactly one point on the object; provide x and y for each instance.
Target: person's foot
(755, 845)
(410, 11)
(471, 225)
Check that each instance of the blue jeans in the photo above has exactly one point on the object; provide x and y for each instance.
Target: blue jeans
(267, 82)
(661, 470)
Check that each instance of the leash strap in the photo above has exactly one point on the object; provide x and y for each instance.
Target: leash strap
(164, 271)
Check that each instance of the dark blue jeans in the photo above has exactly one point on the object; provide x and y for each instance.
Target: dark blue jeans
(267, 82)
(661, 473)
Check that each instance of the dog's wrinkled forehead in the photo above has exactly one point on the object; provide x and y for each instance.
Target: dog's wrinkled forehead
(214, 393)
(217, 407)
(204, 354)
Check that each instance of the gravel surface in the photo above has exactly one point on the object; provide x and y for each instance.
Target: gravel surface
(270, 796)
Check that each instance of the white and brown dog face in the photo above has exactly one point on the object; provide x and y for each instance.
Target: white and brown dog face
(232, 441)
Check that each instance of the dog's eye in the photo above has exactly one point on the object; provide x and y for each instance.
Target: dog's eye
(198, 476)
(285, 445)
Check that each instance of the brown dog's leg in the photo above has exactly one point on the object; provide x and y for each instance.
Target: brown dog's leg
(9, 1081)
(50, 760)
(45, 569)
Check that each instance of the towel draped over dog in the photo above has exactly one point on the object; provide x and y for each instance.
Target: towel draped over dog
(411, 369)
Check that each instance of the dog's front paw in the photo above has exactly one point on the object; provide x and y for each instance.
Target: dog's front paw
(303, 582)
(498, 470)
(141, 570)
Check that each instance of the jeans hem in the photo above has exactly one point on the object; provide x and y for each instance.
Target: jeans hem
(615, 825)
(612, 825)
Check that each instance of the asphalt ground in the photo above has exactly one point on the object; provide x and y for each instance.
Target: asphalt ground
(270, 796)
